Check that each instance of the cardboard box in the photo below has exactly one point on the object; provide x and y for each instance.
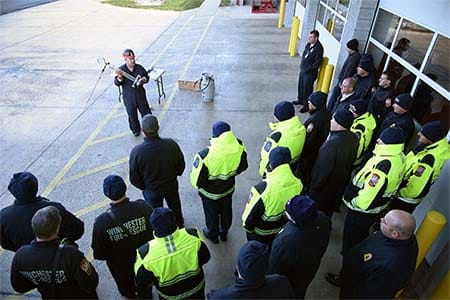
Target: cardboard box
(189, 85)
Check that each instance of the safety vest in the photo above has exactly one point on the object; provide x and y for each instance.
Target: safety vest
(281, 186)
(422, 171)
(378, 180)
(290, 134)
(173, 260)
(363, 126)
(222, 161)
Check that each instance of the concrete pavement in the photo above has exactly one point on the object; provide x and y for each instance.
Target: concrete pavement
(48, 69)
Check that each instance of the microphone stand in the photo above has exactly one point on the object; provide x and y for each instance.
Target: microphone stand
(98, 80)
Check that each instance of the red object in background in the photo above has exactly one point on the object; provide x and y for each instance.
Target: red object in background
(265, 6)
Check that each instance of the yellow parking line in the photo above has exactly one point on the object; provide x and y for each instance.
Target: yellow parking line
(112, 137)
(186, 67)
(121, 114)
(171, 41)
(78, 154)
(94, 170)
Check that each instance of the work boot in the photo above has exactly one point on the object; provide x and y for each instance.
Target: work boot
(304, 109)
(214, 240)
(334, 279)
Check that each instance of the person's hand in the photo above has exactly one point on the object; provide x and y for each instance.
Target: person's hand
(119, 74)
(142, 81)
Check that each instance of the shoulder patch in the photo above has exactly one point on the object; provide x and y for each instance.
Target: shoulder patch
(367, 256)
(374, 180)
(86, 267)
(276, 136)
(419, 172)
(310, 128)
(268, 146)
(196, 162)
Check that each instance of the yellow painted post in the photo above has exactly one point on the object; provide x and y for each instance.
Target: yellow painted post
(295, 28)
(282, 11)
(321, 73)
(443, 290)
(291, 38)
(325, 87)
(329, 24)
(428, 232)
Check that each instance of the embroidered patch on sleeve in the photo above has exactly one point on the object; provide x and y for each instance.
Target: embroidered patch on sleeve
(196, 162)
(419, 172)
(367, 256)
(267, 146)
(374, 180)
(86, 267)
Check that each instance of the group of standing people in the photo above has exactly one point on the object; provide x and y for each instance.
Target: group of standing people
(353, 149)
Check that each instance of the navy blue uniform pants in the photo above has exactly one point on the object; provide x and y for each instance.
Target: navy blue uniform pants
(124, 277)
(356, 228)
(132, 106)
(169, 192)
(305, 86)
(218, 215)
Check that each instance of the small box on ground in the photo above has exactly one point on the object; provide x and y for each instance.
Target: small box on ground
(189, 85)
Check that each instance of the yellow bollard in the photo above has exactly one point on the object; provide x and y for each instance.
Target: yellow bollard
(428, 232)
(329, 24)
(292, 34)
(325, 87)
(295, 28)
(443, 290)
(321, 73)
(282, 11)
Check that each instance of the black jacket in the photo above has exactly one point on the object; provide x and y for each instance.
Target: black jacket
(110, 243)
(297, 251)
(335, 104)
(377, 102)
(331, 171)
(317, 129)
(378, 267)
(155, 162)
(130, 93)
(311, 58)
(349, 66)
(32, 268)
(364, 86)
(274, 287)
(15, 223)
(405, 122)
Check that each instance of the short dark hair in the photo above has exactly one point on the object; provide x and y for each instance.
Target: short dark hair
(46, 222)
(390, 76)
(315, 32)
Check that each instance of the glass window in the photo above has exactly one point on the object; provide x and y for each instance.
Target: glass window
(321, 15)
(385, 27)
(379, 58)
(342, 7)
(419, 40)
(429, 105)
(332, 3)
(302, 2)
(338, 28)
(438, 66)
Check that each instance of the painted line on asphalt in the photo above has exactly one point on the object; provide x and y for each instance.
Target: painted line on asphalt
(94, 170)
(186, 67)
(121, 114)
(77, 155)
(112, 137)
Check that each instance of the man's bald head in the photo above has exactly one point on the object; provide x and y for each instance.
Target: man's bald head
(398, 224)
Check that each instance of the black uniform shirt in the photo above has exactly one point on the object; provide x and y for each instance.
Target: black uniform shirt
(110, 243)
(132, 93)
(15, 223)
(155, 162)
(32, 267)
(378, 267)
